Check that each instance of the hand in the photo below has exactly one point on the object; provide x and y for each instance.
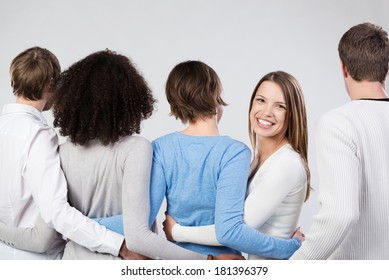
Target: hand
(297, 233)
(168, 226)
(130, 255)
(228, 257)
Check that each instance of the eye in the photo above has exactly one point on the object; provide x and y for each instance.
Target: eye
(281, 107)
(260, 100)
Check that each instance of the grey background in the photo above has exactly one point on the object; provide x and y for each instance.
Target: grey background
(242, 40)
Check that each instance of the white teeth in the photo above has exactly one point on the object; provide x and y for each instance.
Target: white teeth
(263, 122)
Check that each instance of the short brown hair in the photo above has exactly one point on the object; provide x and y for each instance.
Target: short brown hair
(193, 90)
(32, 70)
(101, 97)
(364, 50)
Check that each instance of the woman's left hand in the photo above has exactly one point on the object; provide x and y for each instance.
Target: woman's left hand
(297, 233)
(168, 226)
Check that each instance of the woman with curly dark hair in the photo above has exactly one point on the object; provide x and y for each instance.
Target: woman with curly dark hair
(99, 103)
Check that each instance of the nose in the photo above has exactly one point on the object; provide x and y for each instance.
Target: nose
(268, 110)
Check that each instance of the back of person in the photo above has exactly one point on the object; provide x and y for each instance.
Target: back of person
(365, 124)
(17, 206)
(100, 102)
(95, 175)
(192, 166)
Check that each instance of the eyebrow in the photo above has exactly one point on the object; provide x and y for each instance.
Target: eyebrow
(278, 102)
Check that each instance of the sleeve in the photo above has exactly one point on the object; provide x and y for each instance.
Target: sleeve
(136, 209)
(43, 173)
(230, 228)
(339, 189)
(157, 184)
(37, 239)
(204, 235)
(113, 223)
(279, 179)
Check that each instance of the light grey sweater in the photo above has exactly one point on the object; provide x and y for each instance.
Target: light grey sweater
(109, 180)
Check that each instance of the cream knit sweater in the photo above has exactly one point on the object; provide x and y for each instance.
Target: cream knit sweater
(352, 145)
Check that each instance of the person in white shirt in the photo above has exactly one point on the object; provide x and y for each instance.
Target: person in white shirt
(31, 180)
(279, 180)
(353, 157)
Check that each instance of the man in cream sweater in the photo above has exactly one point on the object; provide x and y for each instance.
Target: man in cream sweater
(353, 157)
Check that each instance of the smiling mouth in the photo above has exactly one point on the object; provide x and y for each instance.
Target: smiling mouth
(264, 123)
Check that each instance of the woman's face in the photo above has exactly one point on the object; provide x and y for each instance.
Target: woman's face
(268, 111)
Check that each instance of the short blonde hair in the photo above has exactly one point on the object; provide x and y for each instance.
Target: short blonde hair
(32, 70)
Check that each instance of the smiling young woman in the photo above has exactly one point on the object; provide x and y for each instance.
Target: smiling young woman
(267, 118)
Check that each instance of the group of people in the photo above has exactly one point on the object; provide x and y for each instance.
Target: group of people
(97, 195)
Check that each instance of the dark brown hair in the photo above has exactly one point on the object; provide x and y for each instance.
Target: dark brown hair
(193, 90)
(32, 70)
(101, 97)
(364, 50)
(296, 130)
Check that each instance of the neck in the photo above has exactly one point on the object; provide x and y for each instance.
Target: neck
(267, 147)
(365, 89)
(203, 127)
(37, 104)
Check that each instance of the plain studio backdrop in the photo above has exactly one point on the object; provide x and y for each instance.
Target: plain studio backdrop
(242, 40)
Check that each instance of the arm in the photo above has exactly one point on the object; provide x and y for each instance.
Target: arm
(37, 239)
(43, 174)
(267, 194)
(283, 176)
(204, 235)
(339, 189)
(136, 207)
(113, 223)
(230, 229)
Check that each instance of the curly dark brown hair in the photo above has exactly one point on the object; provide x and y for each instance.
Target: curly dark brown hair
(101, 97)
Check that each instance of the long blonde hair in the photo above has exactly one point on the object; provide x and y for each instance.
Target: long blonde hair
(296, 126)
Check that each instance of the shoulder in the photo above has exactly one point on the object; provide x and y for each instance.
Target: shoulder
(134, 143)
(337, 125)
(34, 127)
(41, 134)
(287, 163)
(288, 155)
(165, 139)
(234, 149)
(66, 146)
(235, 145)
(339, 117)
(135, 140)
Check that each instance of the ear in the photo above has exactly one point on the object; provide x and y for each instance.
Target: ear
(344, 69)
